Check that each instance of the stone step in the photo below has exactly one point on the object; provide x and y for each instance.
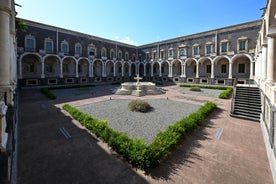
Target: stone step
(247, 110)
(247, 103)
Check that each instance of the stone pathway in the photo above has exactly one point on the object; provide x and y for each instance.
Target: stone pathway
(223, 150)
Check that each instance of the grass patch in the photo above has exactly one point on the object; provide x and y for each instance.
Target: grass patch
(227, 91)
(135, 151)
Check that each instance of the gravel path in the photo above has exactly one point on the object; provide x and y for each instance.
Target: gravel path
(139, 125)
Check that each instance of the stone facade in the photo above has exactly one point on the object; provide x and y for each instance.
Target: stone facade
(8, 80)
(49, 56)
(265, 77)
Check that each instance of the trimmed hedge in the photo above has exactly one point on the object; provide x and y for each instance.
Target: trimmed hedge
(47, 91)
(135, 151)
(226, 93)
(223, 95)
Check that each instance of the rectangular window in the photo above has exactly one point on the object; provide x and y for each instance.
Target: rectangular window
(64, 48)
(147, 56)
(49, 46)
(78, 50)
(208, 49)
(223, 68)
(120, 56)
(208, 68)
(112, 54)
(154, 55)
(241, 68)
(162, 54)
(170, 53)
(30, 44)
(242, 44)
(195, 50)
(224, 47)
(182, 52)
(127, 56)
(91, 52)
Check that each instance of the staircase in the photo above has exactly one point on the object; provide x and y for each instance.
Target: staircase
(246, 102)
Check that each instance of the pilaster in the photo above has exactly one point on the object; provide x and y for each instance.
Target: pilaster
(5, 47)
(264, 62)
(271, 58)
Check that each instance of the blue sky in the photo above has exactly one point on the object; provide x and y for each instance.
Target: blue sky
(140, 22)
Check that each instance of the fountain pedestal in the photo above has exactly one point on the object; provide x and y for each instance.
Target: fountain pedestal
(139, 89)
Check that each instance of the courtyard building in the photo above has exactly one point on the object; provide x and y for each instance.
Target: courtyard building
(265, 77)
(8, 100)
(50, 55)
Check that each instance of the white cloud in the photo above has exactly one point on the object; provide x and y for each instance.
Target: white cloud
(126, 40)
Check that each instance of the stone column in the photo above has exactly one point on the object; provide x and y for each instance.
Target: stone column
(42, 70)
(104, 70)
(271, 59)
(145, 71)
(20, 70)
(114, 70)
(77, 69)
(170, 70)
(123, 70)
(5, 11)
(230, 70)
(151, 71)
(90, 69)
(129, 70)
(251, 76)
(61, 71)
(212, 70)
(264, 62)
(197, 69)
(160, 70)
(184, 70)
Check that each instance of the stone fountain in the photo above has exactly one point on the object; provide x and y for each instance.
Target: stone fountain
(139, 88)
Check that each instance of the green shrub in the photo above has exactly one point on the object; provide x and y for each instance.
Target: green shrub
(135, 151)
(48, 93)
(226, 93)
(158, 83)
(195, 89)
(139, 106)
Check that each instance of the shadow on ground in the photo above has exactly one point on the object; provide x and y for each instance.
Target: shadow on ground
(185, 152)
(47, 156)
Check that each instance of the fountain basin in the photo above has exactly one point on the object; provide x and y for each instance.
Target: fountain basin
(138, 89)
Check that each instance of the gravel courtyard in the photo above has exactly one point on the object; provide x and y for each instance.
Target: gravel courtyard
(203, 92)
(136, 124)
